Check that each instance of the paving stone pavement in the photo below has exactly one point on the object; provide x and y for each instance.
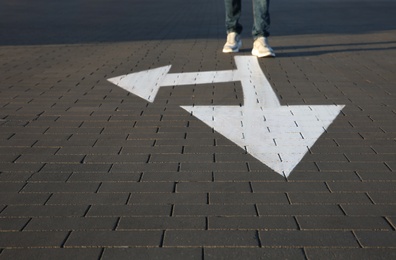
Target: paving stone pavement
(90, 171)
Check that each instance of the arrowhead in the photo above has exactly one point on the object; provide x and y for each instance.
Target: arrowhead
(144, 84)
(278, 137)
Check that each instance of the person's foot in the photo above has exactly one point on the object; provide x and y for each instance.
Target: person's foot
(261, 48)
(233, 43)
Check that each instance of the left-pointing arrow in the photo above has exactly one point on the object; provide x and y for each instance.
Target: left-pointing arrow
(146, 84)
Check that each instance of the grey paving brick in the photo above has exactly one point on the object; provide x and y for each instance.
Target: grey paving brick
(308, 239)
(114, 239)
(252, 223)
(152, 123)
(342, 223)
(242, 157)
(193, 149)
(177, 176)
(52, 253)
(12, 224)
(50, 177)
(361, 186)
(376, 175)
(44, 211)
(17, 143)
(384, 149)
(74, 130)
(247, 176)
(131, 132)
(71, 223)
(350, 166)
(369, 210)
(32, 239)
(11, 186)
(377, 238)
(328, 198)
(36, 136)
(299, 175)
(213, 187)
(299, 210)
(60, 187)
(123, 143)
(26, 129)
(248, 198)
(344, 149)
(109, 150)
(153, 253)
(351, 253)
(153, 150)
(371, 157)
(162, 223)
(12, 150)
(137, 187)
(218, 166)
(9, 158)
(289, 187)
(88, 199)
(183, 158)
(140, 158)
(91, 136)
(11, 198)
(69, 168)
(58, 143)
(29, 150)
(253, 253)
(167, 198)
(211, 238)
(104, 177)
(129, 210)
(154, 135)
(143, 167)
(215, 210)
(21, 167)
(14, 176)
(383, 197)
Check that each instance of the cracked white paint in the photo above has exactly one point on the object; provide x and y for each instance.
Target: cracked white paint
(278, 136)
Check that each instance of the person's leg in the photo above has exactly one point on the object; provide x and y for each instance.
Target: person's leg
(261, 16)
(260, 30)
(234, 28)
(232, 15)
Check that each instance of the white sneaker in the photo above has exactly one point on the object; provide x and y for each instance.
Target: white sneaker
(261, 48)
(233, 43)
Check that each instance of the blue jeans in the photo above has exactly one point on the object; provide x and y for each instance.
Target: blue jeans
(261, 17)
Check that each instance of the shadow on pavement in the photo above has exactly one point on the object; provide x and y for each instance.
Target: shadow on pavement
(314, 50)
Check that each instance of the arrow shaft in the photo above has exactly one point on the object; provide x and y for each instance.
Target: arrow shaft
(257, 91)
(195, 78)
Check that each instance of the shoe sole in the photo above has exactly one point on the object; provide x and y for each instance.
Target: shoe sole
(233, 50)
(267, 54)
(230, 51)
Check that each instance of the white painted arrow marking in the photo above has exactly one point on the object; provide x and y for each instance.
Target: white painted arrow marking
(278, 136)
